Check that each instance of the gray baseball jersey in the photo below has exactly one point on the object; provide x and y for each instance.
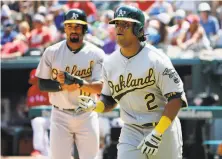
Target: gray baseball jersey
(86, 64)
(139, 83)
(68, 126)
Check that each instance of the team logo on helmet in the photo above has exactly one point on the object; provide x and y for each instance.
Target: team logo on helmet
(74, 16)
(121, 13)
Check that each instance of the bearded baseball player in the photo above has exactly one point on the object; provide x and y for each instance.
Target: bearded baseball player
(67, 70)
(150, 93)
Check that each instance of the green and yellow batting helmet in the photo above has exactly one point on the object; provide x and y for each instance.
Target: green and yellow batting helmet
(75, 16)
(131, 14)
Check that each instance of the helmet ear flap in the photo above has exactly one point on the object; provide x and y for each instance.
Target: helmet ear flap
(85, 28)
(137, 30)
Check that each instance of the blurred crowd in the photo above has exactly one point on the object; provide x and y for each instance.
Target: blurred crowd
(28, 27)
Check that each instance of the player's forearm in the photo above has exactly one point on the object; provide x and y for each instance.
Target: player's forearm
(94, 87)
(109, 102)
(170, 112)
(105, 104)
(172, 108)
(90, 87)
(109, 108)
(102, 108)
(49, 85)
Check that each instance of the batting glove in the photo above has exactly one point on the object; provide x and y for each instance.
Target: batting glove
(69, 79)
(79, 109)
(150, 143)
(86, 103)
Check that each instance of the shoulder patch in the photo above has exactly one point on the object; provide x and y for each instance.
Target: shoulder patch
(172, 74)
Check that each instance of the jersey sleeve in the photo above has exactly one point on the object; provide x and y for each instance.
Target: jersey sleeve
(45, 65)
(169, 81)
(167, 77)
(97, 69)
(105, 90)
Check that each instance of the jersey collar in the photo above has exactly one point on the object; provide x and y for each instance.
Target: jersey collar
(141, 47)
(77, 50)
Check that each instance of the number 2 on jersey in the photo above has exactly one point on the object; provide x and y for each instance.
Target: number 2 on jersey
(84, 93)
(150, 98)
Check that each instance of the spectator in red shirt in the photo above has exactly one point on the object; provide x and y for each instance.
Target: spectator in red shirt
(40, 36)
(19, 45)
(40, 125)
(34, 96)
(14, 49)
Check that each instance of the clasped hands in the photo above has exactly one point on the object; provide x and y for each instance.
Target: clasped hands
(65, 84)
(72, 83)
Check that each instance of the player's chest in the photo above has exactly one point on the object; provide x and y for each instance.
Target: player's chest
(78, 64)
(131, 76)
(131, 69)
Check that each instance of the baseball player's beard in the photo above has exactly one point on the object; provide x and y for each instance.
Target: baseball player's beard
(74, 40)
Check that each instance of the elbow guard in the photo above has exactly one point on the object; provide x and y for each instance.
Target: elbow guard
(180, 95)
(49, 85)
(107, 100)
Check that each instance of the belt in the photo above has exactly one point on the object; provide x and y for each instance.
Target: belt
(148, 124)
(71, 110)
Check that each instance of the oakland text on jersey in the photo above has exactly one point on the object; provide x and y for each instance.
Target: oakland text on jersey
(130, 84)
(83, 73)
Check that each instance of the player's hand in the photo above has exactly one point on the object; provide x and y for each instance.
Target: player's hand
(79, 109)
(150, 143)
(86, 103)
(70, 88)
(61, 77)
(69, 79)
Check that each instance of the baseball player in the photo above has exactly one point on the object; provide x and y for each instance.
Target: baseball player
(150, 93)
(40, 125)
(67, 70)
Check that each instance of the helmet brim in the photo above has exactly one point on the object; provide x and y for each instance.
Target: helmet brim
(123, 19)
(75, 21)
